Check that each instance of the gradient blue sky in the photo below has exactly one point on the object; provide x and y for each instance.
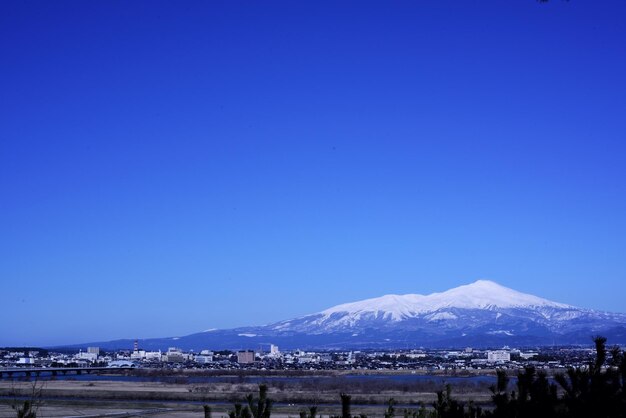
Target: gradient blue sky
(168, 167)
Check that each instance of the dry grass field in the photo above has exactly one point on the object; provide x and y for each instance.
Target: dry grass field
(104, 398)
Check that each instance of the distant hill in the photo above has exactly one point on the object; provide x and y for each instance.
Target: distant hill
(481, 314)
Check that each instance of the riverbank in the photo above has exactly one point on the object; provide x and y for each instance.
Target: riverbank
(185, 397)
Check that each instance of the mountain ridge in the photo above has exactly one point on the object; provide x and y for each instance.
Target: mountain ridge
(482, 313)
(482, 294)
(506, 295)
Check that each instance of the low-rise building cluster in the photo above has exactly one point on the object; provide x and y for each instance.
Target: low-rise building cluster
(273, 359)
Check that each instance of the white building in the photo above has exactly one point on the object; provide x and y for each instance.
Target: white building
(204, 358)
(274, 350)
(138, 355)
(414, 355)
(153, 355)
(528, 355)
(87, 356)
(245, 357)
(309, 359)
(174, 355)
(498, 356)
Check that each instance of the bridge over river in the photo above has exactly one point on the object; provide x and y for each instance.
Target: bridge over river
(55, 371)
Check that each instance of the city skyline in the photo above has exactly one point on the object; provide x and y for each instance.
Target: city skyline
(166, 169)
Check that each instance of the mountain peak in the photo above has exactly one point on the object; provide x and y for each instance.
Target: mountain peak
(486, 293)
(481, 294)
(485, 283)
(481, 303)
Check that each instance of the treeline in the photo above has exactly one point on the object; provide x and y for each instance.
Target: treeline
(594, 391)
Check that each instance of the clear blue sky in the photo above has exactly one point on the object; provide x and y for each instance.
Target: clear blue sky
(168, 167)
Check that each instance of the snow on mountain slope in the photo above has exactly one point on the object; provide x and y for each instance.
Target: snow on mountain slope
(482, 294)
(474, 305)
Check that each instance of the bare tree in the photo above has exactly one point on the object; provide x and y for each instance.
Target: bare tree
(27, 404)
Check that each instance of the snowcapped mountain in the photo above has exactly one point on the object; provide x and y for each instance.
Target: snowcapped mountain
(480, 314)
(447, 306)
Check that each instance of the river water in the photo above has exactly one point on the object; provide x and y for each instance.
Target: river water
(408, 378)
